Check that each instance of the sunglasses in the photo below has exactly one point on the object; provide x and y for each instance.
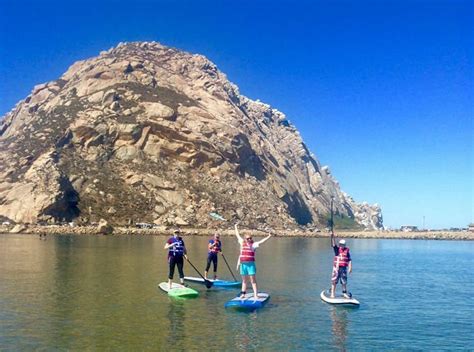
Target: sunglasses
(248, 238)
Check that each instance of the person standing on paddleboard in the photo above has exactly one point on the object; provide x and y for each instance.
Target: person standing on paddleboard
(214, 248)
(342, 263)
(247, 261)
(176, 252)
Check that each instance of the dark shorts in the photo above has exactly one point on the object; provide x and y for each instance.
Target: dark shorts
(339, 275)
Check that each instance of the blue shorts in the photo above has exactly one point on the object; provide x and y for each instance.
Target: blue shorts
(248, 268)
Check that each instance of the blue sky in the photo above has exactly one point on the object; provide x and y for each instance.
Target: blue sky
(381, 91)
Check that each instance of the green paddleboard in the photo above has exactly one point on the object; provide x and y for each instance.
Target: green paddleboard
(178, 290)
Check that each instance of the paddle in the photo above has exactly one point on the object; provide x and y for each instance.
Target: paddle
(228, 267)
(217, 216)
(332, 217)
(206, 282)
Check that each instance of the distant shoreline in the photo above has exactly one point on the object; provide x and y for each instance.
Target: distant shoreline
(121, 231)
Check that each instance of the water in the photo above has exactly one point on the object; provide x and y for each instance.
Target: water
(100, 293)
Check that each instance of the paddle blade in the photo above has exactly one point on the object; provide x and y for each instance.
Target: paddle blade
(208, 283)
(216, 216)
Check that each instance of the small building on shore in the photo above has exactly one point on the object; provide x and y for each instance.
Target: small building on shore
(408, 228)
(471, 227)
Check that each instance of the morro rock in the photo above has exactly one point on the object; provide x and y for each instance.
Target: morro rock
(148, 133)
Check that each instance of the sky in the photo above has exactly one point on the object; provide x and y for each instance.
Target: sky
(381, 91)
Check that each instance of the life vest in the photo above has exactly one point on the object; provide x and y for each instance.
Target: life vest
(247, 253)
(177, 249)
(342, 259)
(215, 246)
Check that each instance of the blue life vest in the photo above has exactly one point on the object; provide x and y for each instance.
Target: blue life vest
(178, 248)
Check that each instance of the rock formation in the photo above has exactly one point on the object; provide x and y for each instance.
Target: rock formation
(148, 133)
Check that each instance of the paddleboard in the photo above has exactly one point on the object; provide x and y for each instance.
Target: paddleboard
(338, 299)
(248, 302)
(178, 290)
(215, 283)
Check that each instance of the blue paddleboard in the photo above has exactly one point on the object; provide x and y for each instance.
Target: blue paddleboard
(215, 283)
(248, 302)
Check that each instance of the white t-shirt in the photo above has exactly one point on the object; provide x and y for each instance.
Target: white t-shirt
(254, 244)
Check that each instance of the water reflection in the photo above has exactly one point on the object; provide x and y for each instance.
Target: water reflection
(176, 323)
(245, 331)
(339, 327)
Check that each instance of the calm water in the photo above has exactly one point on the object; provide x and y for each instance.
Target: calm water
(96, 293)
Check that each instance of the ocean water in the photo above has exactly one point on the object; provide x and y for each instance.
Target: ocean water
(100, 293)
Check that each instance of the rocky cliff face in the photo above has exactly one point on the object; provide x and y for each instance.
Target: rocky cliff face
(147, 133)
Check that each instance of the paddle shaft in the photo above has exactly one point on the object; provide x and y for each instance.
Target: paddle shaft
(207, 282)
(332, 217)
(225, 260)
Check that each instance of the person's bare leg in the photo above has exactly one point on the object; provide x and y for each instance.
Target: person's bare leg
(253, 280)
(169, 283)
(244, 285)
(333, 290)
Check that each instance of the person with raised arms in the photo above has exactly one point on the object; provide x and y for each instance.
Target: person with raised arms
(342, 262)
(176, 252)
(246, 261)
(214, 247)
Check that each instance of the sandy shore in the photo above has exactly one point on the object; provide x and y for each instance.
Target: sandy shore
(93, 230)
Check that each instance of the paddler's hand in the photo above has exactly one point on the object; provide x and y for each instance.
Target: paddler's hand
(185, 256)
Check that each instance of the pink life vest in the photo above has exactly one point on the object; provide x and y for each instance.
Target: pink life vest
(247, 253)
(343, 258)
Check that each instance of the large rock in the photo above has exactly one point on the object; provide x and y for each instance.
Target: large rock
(104, 228)
(147, 133)
(18, 228)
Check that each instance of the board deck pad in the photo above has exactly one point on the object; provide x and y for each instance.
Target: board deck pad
(338, 299)
(216, 283)
(248, 302)
(178, 290)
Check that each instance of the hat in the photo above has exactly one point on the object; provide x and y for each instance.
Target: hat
(343, 242)
(176, 231)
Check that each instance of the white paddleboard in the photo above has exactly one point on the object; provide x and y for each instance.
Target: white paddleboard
(338, 299)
